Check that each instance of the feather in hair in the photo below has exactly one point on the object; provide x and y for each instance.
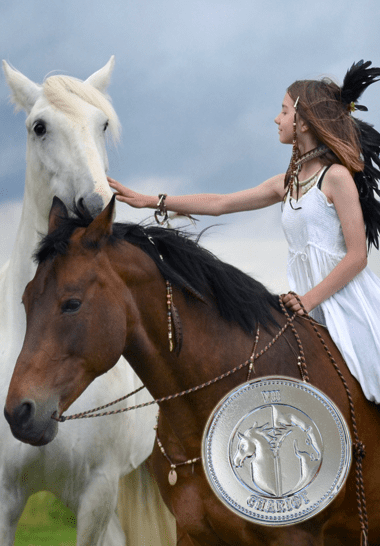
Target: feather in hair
(356, 81)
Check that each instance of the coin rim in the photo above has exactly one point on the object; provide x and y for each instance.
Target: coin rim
(317, 506)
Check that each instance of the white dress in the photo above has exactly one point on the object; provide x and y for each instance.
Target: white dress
(352, 315)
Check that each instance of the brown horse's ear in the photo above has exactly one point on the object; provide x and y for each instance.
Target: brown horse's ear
(57, 214)
(101, 227)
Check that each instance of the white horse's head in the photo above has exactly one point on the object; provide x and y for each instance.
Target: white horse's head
(67, 120)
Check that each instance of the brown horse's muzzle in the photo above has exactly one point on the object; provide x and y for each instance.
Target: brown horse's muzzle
(31, 422)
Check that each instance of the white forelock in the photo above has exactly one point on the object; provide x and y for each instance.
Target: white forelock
(63, 93)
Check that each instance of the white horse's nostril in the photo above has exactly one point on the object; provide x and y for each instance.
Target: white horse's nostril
(91, 203)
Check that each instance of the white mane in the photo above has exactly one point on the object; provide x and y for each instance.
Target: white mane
(63, 92)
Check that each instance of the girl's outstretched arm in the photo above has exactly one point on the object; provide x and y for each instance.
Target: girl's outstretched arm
(269, 192)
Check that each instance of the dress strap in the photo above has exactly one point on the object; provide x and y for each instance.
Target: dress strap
(322, 177)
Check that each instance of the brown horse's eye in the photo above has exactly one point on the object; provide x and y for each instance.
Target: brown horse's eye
(70, 306)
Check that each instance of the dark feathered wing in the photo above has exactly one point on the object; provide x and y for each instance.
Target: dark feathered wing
(355, 82)
(367, 181)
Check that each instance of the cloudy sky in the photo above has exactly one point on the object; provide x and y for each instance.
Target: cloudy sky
(196, 85)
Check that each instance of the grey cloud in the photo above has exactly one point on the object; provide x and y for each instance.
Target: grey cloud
(196, 84)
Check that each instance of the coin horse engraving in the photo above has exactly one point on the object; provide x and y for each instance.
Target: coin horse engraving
(279, 454)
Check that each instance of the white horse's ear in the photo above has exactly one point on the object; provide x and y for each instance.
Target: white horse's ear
(24, 91)
(101, 79)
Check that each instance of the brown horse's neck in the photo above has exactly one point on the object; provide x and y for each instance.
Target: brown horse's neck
(211, 346)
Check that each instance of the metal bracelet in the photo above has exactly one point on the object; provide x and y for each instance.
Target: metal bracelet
(161, 211)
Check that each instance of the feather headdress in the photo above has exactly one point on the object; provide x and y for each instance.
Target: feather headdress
(357, 79)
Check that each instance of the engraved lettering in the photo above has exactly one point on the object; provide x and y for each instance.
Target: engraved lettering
(251, 501)
(277, 505)
(296, 501)
(256, 502)
(260, 504)
(271, 396)
(304, 497)
(289, 504)
(280, 505)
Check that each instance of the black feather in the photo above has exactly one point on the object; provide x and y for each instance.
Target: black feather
(357, 79)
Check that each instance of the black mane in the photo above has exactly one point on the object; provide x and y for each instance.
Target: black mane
(183, 262)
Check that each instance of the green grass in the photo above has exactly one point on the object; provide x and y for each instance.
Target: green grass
(46, 522)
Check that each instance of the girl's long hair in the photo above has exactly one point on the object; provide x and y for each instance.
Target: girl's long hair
(329, 121)
(327, 110)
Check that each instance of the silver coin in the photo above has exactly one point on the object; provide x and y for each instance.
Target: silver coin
(276, 451)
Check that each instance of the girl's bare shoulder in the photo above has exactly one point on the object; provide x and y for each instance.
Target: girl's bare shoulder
(339, 185)
(338, 173)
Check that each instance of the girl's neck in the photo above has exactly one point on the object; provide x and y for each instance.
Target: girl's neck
(313, 165)
(306, 143)
(309, 168)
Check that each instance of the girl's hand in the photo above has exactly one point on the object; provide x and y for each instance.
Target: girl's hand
(290, 301)
(125, 195)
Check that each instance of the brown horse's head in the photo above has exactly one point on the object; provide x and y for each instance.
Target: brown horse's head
(70, 340)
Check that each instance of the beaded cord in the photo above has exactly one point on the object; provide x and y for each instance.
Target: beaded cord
(172, 476)
(252, 357)
(169, 303)
(295, 151)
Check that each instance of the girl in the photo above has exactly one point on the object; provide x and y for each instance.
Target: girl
(330, 211)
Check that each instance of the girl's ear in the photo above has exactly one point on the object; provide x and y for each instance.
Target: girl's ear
(303, 126)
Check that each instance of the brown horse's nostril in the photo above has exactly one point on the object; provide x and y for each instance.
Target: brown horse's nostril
(26, 411)
(22, 415)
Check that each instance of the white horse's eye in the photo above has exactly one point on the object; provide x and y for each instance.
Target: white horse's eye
(39, 128)
(105, 126)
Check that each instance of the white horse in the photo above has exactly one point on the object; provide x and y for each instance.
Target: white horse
(66, 156)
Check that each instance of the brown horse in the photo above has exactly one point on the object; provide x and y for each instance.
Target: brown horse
(100, 292)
